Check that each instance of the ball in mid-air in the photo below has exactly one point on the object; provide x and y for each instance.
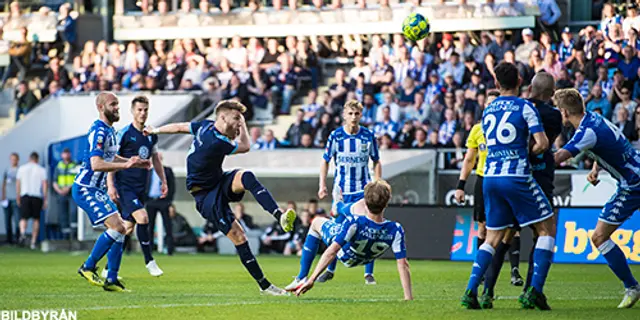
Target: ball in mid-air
(415, 27)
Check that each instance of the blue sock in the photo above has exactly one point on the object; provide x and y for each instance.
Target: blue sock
(368, 268)
(332, 266)
(480, 266)
(493, 272)
(100, 248)
(142, 230)
(114, 258)
(618, 263)
(262, 195)
(542, 258)
(309, 251)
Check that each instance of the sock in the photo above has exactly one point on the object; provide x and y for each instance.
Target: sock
(114, 257)
(479, 242)
(332, 266)
(309, 250)
(100, 248)
(493, 272)
(483, 259)
(542, 257)
(618, 263)
(368, 268)
(530, 267)
(514, 252)
(142, 231)
(262, 195)
(251, 264)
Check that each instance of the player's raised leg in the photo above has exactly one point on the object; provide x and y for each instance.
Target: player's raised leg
(246, 180)
(309, 251)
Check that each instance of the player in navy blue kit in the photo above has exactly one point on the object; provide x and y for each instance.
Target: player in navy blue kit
(350, 146)
(511, 194)
(127, 187)
(362, 237)
(605, 143)
(213, 189)
(543, 171)
(89, 192)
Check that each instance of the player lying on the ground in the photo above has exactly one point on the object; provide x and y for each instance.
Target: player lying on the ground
(213, 189)
(360, 239)
(603, 141)
(350, 146)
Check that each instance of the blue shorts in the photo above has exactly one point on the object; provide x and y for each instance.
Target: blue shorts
(353, 197)
(213, 204)
(513, 201)
(620, 207)
(95, 202)
(130, 202)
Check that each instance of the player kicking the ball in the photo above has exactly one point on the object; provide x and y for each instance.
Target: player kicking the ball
(511, 194)
(89, 192)
(351, 146)
(127, 187)
(213, 189)
(363, 236)
(606, 144)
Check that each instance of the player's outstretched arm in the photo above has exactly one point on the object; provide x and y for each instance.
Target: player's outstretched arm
(172, 128)
(405, 278)
(541, 143)
(467, 165)
(325, 260)
(98, 164)
(159, 168)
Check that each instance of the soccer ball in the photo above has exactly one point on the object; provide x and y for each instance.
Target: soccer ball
(415, 27)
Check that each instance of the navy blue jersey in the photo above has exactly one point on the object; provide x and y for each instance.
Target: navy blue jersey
(543, 165)
(362, 240)
(102, 143)
(507, 124)
(133, 143)
(205, 157)
(603, 141)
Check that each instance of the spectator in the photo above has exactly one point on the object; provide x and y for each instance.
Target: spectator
(447, 47)
(419, 110)
(31, 188)
(511, 9)
(258, 88)
(238, 91)
(582, 84)
(630, 64)
(360, 88)
(631, 40)
(609, 19)
(25, 100)
(255, 52)
(254, 135)
(549, 16)
(632, 21)
(448, 127)
(405, 137)
(604, 82)
(551, 65)
(463, 47)
(183, 235)
(581, 64)
(498, 48)
(245, 220)
(67, 32)
(195, 70)
(386, 143)
(268, 142)
(483, 49)
(20, 53)
(488, 76)
(420, 69)
(298, 129)
(420, 141)
(156, 203)
(55, 73)
(453, 67)
(588, 42)
(566, 53)
(9, 199)
(625, 103)
(306, 142)
(387, 125)
(63, 177)
(311, 108)
(623, 120)
(635, 137)
(523, 51)
(55, 90)
(383, 74)
(360, 68)
(284, 87)
(237, 54)
(274, 239)
(313, 209)
(407, 93)
(323, 131)
(599, 102)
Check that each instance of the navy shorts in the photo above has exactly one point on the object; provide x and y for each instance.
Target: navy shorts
(213, 204)
(94, 202)
(130, 202)
(511, 201)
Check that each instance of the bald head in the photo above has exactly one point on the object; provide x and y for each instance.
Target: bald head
(103, 97)
(108, 106)
(542, 86)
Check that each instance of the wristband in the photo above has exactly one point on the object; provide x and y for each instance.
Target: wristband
(461, 184)
(155, 131)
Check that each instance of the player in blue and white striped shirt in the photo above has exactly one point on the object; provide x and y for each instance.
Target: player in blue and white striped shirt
(605, 143)
(350, 146)
(89, 192)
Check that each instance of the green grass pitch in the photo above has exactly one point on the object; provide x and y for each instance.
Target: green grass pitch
(218, 287)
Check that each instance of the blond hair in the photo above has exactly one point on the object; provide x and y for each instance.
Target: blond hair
(570, 100)
(353, 104)
(226, 105)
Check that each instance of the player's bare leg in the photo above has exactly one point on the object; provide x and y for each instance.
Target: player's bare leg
(239, 239)
(245, 180)
(480, 266)
(542, 259)
(309, 251)
(617, 262)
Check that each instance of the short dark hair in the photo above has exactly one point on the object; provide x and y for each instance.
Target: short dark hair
(493, 93)
(313, 201)
(15, 154)
(226, 105)
(507, 75)
(139, 99)
(66, 150)
(34, 156)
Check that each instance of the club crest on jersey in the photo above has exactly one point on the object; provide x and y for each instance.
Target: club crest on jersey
(143, 152)
(364, 148)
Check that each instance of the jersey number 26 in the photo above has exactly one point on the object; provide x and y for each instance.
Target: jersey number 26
(503, 127)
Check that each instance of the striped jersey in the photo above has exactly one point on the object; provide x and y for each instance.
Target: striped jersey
(351, 153)
(604, 142)
(102, 143)
(507, 124)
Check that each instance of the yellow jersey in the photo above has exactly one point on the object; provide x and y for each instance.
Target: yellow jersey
(476, 141)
